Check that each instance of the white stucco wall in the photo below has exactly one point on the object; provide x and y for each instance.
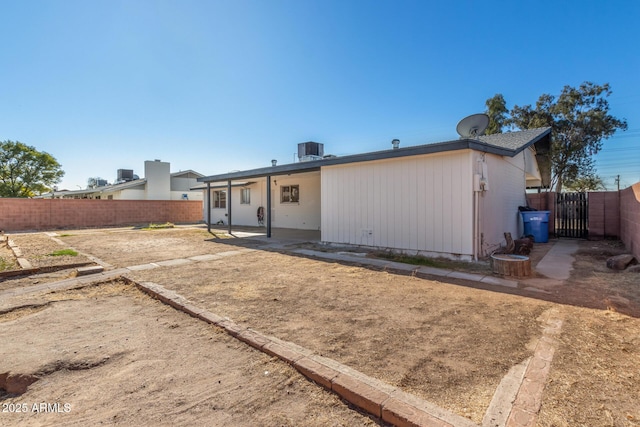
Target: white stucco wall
(421, 204)
(191, 195)
(247, 214)
(183, 183)
(158, 180)
(304, 215)
(499, 204)
(127, 194)
(139, 193)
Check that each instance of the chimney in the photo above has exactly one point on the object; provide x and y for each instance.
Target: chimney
(274, 162)
(396, 143)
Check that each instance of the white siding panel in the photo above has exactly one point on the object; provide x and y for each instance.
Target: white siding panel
(394, 215)
(376, 223)
(499, 205)
(372, 196)
(421, 204)
(413, 205)
(429, 206)
(409, 198)
(439, 199)
(456, 211)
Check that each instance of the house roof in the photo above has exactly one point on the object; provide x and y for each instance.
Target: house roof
(187, 174)
(122, 186)
(222, 185)
(103, 189)
(515, 141)
(111, 188)
(506, 144)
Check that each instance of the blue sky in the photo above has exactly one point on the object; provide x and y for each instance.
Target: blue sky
(216, 86)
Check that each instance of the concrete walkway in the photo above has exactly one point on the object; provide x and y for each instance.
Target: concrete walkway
(558, 262)
(399, 267)
(556, 265)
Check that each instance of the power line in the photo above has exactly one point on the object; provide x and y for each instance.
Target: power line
(622, 163)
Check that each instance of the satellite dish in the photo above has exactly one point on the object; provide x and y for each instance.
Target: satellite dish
(472, 126)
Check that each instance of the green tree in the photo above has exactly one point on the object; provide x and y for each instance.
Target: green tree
(25, 171)
(579, 119)
(498, 114)
(590, 182)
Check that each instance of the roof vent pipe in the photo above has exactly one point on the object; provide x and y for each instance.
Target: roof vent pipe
(274, 162)
(396, 143)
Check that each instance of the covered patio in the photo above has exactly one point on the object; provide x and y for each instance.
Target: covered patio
(278, 237)
(305, 197)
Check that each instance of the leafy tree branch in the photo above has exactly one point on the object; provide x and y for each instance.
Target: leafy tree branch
(579, 119)
(25, 171)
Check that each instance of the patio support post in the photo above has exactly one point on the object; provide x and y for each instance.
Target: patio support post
(268, 205)
(209, 207)
(229, 203)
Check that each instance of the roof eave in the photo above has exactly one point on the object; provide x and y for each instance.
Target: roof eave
(315, 165)
(188, 171)
(416, 150)
(536, 139)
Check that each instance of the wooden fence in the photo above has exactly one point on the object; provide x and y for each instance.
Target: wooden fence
(610, 214)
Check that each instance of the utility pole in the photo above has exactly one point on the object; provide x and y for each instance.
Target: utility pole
(618, 181)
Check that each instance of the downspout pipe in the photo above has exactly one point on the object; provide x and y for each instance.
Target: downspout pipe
(477, 188)
(476, 225)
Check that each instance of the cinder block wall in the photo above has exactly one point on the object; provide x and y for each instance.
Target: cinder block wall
(48, 214)
(630, 218)
(604, 214)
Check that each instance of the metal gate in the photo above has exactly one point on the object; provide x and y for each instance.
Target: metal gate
(572, 215)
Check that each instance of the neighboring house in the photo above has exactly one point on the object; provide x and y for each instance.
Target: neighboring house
(454, 199)
(158, 184)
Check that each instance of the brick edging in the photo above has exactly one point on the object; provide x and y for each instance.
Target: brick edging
(526, 407)
(369, 394)
(39, 270)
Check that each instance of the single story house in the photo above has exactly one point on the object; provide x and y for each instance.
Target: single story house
(453, 199)
(158, 184)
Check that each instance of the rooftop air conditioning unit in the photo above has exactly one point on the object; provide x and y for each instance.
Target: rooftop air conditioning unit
(308, 151)
(125, 175)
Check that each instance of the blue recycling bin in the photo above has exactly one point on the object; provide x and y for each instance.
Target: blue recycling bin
(536, 224)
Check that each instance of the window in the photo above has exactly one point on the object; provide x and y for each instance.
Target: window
(290, 194)
(245, 196)
(220, 199)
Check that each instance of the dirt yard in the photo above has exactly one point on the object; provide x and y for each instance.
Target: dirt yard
(109, 354)
(447, 343)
